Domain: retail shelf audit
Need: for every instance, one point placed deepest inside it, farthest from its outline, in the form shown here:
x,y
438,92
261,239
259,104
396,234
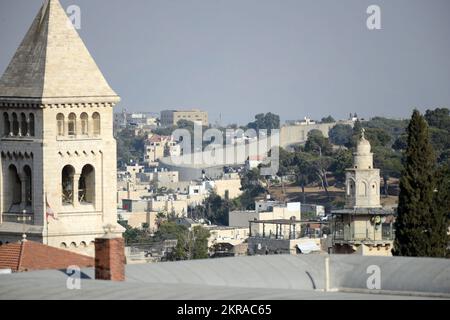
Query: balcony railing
x,y
347,233
18,218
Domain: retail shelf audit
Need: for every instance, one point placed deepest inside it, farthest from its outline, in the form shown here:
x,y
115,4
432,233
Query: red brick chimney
x,y
109,257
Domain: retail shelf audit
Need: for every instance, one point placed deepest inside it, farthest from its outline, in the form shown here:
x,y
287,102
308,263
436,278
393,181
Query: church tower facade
x,y
362,180
58,152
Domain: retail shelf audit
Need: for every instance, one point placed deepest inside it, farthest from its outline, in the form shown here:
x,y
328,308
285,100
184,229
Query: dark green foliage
x,y
439,118
252,188
421,229
169,231
192,244
378,137
439,128
133,235
129,147
401,143
442,208
318,143
390,164
215,209
266,121
341,135
342,160
393,127
328,119
164,131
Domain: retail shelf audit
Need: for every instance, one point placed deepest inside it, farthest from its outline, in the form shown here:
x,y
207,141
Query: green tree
x,y
304,171
252,187
439,118
192,244
378,137
266,121
341,134
357,129
200,242
317,143
341,161
215,209
390,164
393,127
286,166
130,148
133,235
328,119
420,227
401,143
169,231
442,206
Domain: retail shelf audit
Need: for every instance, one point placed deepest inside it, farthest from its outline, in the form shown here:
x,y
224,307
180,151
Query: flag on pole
x,y
49,211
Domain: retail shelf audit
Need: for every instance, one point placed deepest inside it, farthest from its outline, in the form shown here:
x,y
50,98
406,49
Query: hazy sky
x,y
237,58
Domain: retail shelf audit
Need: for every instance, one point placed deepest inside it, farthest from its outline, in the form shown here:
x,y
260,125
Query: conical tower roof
x,y
53,65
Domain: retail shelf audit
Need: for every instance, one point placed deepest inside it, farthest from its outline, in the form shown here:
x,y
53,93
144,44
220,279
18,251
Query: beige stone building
x,y
223,234
229,186
363,226
171,117
266,211
157,147
58,153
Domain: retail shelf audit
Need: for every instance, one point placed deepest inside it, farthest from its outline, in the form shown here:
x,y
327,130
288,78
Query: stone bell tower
x,y
363,181
58,153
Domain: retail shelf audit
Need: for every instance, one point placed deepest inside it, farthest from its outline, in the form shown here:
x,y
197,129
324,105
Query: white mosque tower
x,y
57,144
363,181
363,226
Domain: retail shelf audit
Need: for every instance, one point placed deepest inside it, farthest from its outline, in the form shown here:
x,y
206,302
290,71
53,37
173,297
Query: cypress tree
x,y
442,212
419,223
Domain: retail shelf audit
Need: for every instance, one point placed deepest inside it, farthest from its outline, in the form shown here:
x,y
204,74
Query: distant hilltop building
x,y
170,118
58,153
157,147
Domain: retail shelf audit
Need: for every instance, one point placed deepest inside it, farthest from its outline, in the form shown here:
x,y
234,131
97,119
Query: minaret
x,y
58,152
363,181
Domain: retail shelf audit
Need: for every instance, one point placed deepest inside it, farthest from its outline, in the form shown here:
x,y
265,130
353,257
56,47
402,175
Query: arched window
x,y
15,186
6,125
84,124
86,185
363,189
67,185
72,125
23,125
31,125
73,245
375,189
350,187
28,186
96,123
83,244
60,124
15,124
63,245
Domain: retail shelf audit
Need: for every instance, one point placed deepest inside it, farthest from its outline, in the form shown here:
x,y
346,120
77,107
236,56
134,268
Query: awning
x,y
308,246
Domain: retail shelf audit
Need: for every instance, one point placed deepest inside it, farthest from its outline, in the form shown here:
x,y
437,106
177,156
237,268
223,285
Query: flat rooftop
x,y
291,278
